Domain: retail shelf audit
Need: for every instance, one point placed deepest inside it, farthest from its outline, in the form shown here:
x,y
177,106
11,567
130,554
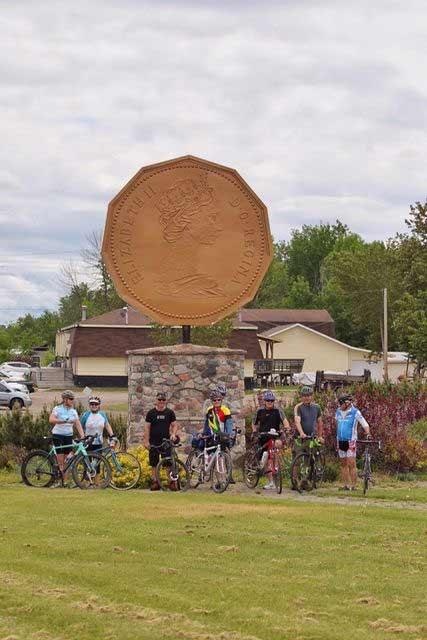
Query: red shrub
x,y
389,410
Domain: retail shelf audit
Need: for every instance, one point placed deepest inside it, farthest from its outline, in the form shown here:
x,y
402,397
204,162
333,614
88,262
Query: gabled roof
x,y
270,333
264,319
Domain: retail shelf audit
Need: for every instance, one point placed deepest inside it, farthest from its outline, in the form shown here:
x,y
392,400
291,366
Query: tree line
x,y
324,266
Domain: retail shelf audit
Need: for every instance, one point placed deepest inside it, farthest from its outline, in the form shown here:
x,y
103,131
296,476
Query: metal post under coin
x,y
186,333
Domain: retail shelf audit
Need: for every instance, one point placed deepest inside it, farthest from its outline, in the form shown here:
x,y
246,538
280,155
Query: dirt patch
x,y
109,397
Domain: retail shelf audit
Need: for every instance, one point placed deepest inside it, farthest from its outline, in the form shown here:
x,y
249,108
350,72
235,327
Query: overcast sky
x,y
320,105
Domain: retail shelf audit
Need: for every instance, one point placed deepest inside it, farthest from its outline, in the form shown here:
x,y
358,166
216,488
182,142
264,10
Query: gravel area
x,y
109,397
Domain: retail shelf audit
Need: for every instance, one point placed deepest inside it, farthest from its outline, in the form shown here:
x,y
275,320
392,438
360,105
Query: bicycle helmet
x,y
215,395
269,396
94,400
67,394
346,397
307,391
221,388
161,396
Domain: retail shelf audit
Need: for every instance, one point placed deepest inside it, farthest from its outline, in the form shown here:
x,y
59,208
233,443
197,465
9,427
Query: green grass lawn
x,y
140,565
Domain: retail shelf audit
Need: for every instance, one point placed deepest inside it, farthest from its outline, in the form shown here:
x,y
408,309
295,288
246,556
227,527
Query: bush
x,y
142,454
391,411
418,430
332,471
22,431
119,426
10,456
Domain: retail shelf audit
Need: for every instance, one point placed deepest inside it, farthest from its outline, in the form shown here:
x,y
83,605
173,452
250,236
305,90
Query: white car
x,y
17,380
12,398
17,368
11,382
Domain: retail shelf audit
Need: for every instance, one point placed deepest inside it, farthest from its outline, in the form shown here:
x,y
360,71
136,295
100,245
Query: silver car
x,y
12,398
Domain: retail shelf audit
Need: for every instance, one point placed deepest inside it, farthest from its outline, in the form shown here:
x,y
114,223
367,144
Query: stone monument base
x,y
187,373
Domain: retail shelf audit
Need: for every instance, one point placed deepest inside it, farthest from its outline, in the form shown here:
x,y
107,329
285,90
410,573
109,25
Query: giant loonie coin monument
x,y
187,242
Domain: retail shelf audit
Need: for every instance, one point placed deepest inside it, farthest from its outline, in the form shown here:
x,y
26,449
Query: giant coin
x,y
187,241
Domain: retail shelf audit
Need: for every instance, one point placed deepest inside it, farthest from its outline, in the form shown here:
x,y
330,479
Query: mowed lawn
x,y
137,565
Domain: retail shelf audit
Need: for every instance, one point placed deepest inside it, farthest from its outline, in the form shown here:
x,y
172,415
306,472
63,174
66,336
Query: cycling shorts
x,y
63,441
347,448
154,455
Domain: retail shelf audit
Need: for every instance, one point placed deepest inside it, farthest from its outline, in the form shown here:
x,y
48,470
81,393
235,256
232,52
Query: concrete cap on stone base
x,y
186,349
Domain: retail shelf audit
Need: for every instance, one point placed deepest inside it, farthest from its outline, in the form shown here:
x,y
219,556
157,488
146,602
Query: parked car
x,y
18,386
13,399
27,385
22,369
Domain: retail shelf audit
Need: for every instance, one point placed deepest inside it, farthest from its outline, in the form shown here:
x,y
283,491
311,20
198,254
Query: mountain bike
x,y
367,471
171,473
125,468
211,464
308,466
89,469
262,460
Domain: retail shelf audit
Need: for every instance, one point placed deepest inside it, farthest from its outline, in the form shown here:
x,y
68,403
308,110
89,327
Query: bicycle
x,y
171,472
125,468
89,469
256,463
367,471
211,464
308,467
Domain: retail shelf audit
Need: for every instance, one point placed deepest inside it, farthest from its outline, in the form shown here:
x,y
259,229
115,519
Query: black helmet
x,y
346,397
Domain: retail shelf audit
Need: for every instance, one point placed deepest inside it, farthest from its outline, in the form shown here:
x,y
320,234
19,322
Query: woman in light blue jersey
x,y
347,417
65,419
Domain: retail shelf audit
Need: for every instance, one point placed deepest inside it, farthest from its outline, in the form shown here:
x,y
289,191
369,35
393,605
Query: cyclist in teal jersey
x,y
94,422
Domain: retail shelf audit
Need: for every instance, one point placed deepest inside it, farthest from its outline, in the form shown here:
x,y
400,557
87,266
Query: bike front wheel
x,y
172,475
319,467
277,473
37,469
125,470
195,465
92,471
366,475
221,472
301,473
251,470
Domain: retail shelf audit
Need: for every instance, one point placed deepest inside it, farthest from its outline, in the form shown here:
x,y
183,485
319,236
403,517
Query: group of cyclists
x,y
269,423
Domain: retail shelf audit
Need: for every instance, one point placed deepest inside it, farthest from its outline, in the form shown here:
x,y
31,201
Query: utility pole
x,y
385,338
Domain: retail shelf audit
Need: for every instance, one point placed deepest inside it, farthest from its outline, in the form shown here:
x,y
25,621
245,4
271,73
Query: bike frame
x,y
210,456
78,447
367,470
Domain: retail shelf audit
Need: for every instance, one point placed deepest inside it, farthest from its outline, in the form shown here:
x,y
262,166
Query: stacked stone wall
x,y
187,374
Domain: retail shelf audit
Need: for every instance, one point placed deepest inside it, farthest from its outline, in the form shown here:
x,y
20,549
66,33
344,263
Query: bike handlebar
x,y
165,441
369,441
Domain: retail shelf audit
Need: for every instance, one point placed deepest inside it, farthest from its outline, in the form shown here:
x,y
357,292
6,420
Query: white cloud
x,y
320,106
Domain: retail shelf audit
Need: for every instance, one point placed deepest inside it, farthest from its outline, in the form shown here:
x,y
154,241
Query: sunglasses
x,y
94,404
161,399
